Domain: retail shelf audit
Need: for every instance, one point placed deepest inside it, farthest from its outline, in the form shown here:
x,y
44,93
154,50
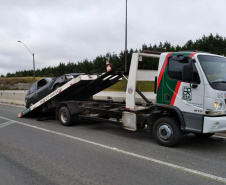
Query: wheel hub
x,y
64,117
165,132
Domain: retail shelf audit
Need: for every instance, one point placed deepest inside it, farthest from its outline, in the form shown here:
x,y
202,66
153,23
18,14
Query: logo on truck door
x,y
187,93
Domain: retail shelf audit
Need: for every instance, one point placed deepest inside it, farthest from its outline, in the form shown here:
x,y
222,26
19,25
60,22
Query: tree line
x,y
213,44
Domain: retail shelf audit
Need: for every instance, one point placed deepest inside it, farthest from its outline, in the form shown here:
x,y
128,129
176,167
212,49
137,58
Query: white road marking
x,y
223,137
196,172
7,123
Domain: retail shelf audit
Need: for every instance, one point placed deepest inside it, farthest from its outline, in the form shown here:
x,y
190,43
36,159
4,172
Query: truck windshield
x,y
214,68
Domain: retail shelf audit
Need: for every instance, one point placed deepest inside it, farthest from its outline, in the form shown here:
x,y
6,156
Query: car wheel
x,y
167,132
66,118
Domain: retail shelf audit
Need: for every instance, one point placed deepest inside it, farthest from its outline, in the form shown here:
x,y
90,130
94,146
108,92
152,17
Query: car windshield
x,y
214,68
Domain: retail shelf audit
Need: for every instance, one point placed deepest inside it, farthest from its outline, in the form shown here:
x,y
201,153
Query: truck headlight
x,y
218,109
218,105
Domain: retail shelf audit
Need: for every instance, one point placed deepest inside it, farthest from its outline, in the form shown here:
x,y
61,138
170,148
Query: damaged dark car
x,y
43,87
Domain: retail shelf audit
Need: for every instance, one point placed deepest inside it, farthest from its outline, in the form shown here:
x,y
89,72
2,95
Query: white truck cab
x,y
196,84
190,90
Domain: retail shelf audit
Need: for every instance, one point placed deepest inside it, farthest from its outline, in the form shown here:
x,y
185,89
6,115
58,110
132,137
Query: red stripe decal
x,y
162,69
175,93
191,55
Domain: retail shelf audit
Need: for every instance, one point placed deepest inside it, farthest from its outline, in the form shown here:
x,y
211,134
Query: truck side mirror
x,y
187,73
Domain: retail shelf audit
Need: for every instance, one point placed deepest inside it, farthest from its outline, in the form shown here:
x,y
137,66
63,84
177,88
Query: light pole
x,y
125,82
33,55
126,40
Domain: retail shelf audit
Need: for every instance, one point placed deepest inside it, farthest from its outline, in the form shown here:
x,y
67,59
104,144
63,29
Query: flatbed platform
x,y
80,88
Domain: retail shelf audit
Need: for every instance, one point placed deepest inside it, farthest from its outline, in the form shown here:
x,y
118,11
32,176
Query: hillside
x,y
16,83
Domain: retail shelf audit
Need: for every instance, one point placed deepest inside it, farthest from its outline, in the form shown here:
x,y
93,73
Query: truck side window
x,y
175,70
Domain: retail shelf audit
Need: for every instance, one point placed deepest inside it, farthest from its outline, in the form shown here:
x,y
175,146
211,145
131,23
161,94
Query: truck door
x,y
187,96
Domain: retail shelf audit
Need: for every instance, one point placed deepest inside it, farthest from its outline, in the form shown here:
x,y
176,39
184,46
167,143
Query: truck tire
x,y
66,118
167,132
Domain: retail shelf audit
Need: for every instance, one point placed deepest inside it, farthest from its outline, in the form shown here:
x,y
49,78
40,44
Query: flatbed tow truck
x,y
190,98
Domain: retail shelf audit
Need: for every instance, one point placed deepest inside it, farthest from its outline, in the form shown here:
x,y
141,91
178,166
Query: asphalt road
x,y
44,152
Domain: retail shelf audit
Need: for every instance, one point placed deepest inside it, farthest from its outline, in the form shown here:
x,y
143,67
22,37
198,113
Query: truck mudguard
x,y
176,110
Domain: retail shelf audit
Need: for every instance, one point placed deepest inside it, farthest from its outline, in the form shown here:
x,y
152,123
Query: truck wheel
x,y
66,118
201,135
167,132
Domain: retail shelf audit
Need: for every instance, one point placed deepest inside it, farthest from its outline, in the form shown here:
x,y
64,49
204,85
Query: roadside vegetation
x,y
16,83
143,86
24,83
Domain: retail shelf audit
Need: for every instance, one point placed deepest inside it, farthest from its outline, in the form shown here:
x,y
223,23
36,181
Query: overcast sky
x,y
73,30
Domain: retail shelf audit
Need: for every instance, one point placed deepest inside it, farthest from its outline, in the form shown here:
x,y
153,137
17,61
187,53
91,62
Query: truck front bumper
x,y
214,124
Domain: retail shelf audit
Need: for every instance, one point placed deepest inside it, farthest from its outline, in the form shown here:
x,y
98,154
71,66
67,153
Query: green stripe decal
x,y
168,88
